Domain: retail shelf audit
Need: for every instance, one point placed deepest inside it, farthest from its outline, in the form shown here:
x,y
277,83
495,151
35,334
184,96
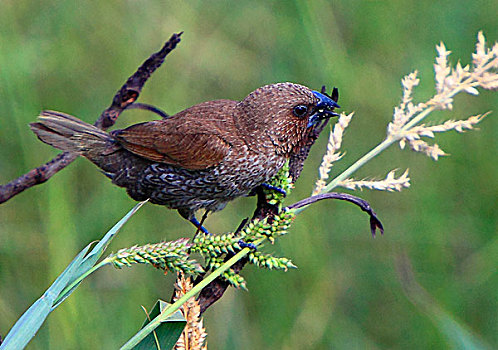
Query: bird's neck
x,y
251,128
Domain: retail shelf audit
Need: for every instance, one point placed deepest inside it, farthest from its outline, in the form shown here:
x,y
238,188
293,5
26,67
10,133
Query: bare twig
x,y
131,89
149,108
127,95
363,204
36,176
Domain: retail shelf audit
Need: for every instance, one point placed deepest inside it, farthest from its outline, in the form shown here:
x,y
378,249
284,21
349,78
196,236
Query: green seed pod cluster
x,y
235,279
256,229
283,181
270,262
213,246
214,262
215,250
171,256
262,229
281,223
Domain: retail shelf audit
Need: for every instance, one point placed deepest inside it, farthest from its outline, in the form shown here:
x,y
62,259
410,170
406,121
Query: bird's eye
x,y
300,111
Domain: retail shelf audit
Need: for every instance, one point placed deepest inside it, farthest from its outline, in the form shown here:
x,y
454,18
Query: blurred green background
x,y
347,293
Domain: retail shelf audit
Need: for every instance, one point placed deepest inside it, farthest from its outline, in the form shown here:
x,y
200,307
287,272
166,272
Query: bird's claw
x,y
243,245
199,226
274,188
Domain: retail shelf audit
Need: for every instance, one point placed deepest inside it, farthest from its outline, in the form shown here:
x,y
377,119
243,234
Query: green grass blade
x,y
92,257
99,249
30,322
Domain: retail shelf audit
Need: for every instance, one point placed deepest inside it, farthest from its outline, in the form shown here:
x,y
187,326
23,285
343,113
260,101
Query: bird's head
x,y
284,113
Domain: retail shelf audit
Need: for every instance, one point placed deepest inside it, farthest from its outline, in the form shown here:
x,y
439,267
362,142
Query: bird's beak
x,y
323,110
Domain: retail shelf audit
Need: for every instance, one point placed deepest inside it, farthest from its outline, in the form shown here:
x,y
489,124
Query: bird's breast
x,y
247,168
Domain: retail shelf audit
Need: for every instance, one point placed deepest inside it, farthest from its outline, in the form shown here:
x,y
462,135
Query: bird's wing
x,y
190,140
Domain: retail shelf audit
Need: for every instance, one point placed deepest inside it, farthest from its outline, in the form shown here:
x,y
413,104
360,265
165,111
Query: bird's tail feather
x,y
68,133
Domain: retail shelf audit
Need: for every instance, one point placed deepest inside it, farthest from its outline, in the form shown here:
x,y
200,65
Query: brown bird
x,y
202,157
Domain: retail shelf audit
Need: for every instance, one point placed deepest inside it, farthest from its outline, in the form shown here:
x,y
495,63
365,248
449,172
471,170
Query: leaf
x,y
92,257
30,322
167,333
98,250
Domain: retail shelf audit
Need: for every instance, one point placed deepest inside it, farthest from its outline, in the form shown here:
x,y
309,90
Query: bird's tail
x,y
68,133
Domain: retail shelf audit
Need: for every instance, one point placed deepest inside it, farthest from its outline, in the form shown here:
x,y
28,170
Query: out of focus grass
x,y
346,293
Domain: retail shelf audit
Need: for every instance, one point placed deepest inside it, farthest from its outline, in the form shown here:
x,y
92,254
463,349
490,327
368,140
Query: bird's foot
x,y
274,188
243,245
199,226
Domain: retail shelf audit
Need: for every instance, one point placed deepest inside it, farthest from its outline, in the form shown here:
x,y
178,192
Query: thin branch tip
x,y
375,223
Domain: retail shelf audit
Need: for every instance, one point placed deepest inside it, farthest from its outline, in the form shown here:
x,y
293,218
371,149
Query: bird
x,y
202,157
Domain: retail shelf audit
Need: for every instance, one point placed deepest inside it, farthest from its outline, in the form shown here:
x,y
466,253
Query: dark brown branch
x,y
127,95
363,204
133,86
36,176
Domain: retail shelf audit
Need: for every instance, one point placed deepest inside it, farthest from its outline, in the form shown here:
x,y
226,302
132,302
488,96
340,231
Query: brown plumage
x,y
202,157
